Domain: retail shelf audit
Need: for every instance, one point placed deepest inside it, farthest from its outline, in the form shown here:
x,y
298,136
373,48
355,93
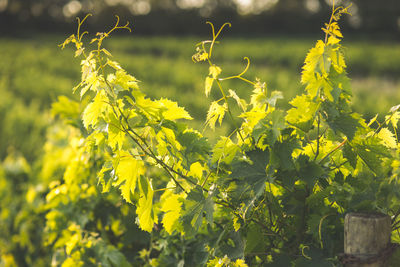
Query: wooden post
x,y
366,236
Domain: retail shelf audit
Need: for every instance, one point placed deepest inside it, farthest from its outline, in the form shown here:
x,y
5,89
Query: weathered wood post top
x,y
366,239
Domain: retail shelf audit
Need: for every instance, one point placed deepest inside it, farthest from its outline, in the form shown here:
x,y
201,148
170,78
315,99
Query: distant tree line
x,y
259,17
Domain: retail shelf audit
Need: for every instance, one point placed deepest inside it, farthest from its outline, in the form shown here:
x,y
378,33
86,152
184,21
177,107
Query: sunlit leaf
x,y
208,85
224,150
145,210
214,71
171,110
171,206
216,112
94,110
128,171
388,138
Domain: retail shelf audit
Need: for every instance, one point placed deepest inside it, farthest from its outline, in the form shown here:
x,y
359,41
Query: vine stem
x,y
229,109
215,36
150,154
333,150
330,21
148,151
383,124
318,136
166,168
265,227
320,228
239,76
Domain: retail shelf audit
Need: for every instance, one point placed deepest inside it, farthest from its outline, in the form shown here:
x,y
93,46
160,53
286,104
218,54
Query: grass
x,y
35,71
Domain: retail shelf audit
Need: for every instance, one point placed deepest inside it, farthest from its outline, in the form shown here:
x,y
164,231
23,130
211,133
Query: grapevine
x,y
273,192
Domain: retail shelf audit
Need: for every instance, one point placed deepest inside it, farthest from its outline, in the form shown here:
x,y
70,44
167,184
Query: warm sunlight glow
x,y
72,8
246,7
186,4
3,5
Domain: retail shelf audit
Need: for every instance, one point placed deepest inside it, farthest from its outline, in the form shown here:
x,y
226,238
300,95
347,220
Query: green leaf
x,y
171,110
193,210
115,65
196,206
123,81
394,118
372,120
250,177
340,84
116,137
345,123
128,170
216,112
214,71
371,152
308,171
104,176
196,147
252,118
208,85
275,96
272,131
233,246
241,102
350,155
94,110
254,241
281,155
303,112
316,62
92,82
65,108
116,257
388,138
252,169
224,151
144,210
363,201
196,170
171,205
259,96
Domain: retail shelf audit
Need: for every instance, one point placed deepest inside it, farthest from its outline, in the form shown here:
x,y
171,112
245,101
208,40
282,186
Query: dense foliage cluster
x,y
273,192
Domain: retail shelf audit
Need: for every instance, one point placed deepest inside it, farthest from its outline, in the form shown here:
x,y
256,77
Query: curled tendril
x,y
76,39
337,12
304,254
116,26
215,36
202,53
239,76
320,229
80,23
102,35
247,66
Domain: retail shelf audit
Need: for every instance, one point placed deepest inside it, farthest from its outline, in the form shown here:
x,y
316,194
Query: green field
x,y
33,72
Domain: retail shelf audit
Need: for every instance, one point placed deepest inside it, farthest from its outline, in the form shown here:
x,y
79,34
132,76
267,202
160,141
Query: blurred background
x,y
274,34
182,17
